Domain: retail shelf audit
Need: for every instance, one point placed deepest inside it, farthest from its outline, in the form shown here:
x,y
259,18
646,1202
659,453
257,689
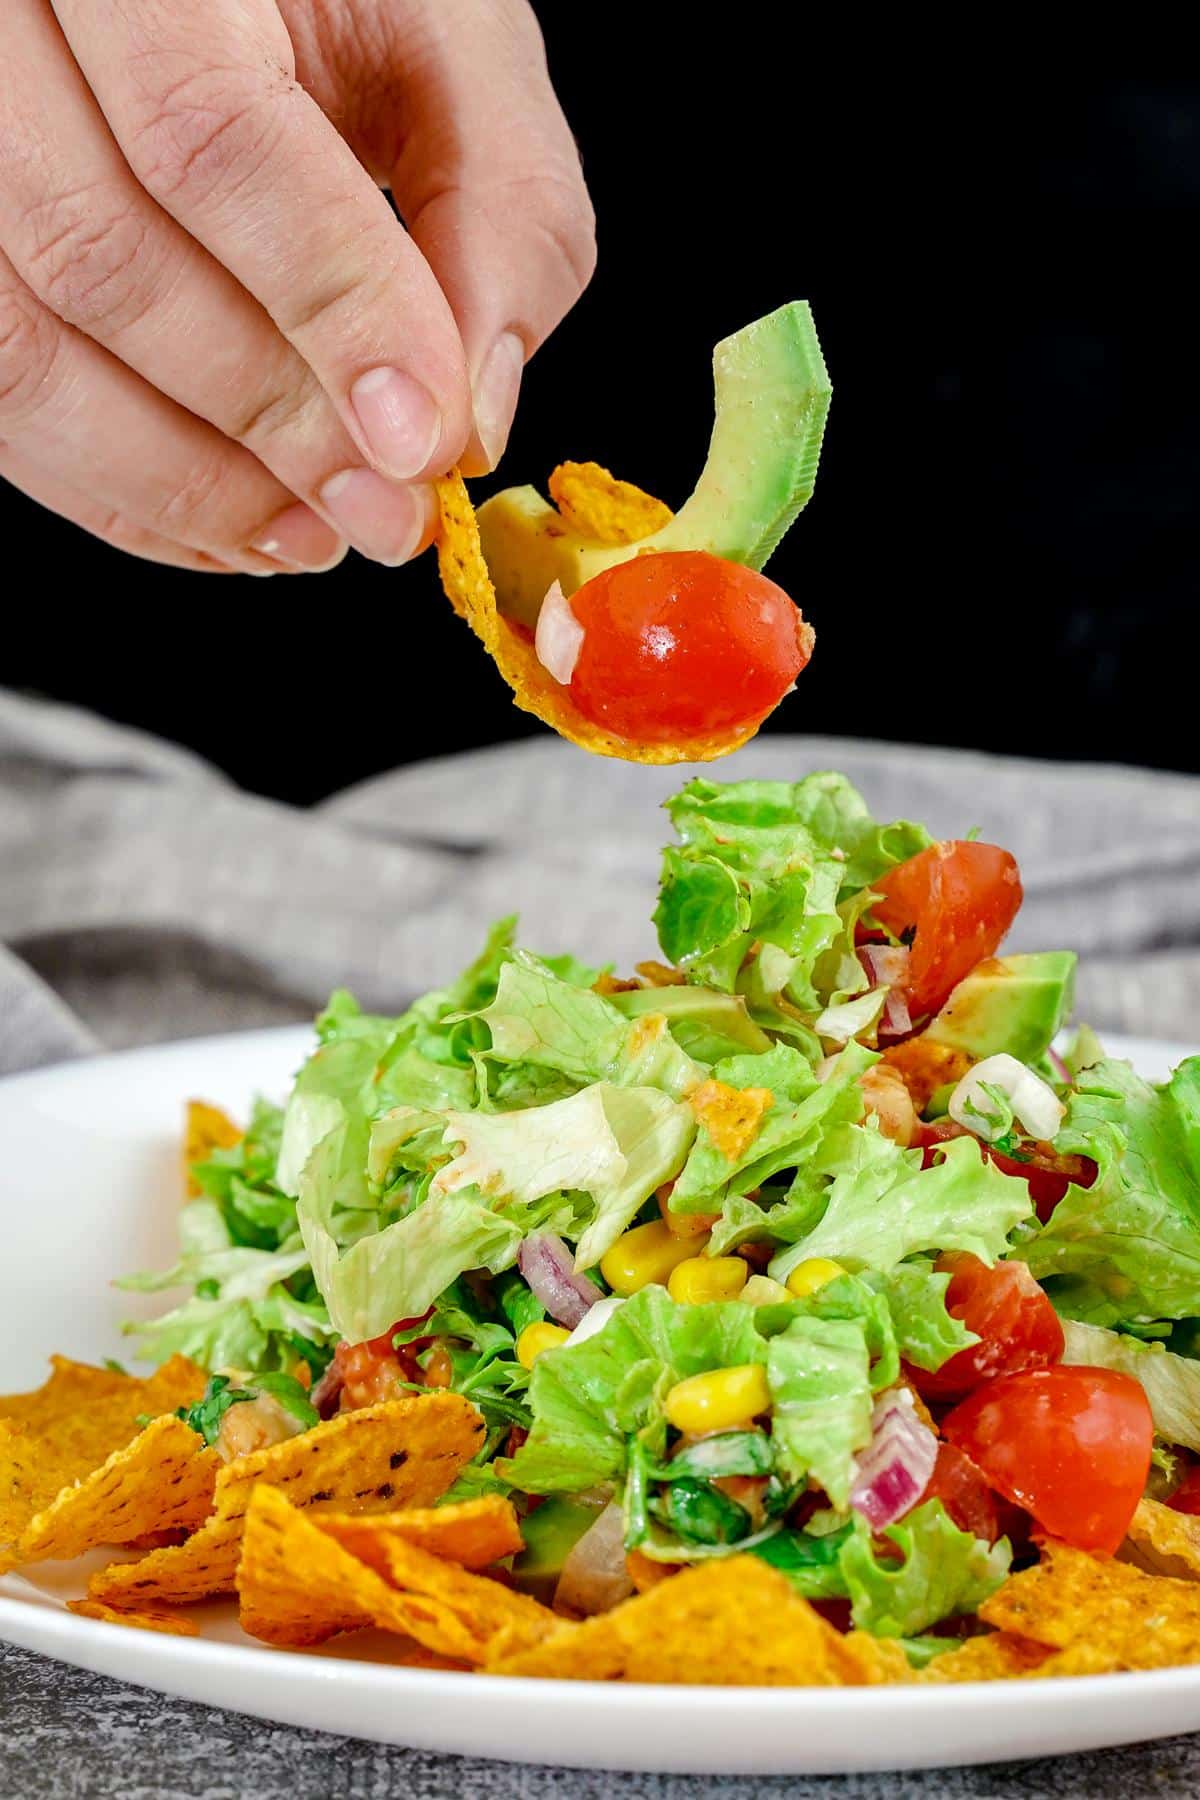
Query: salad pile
x,y
805,1241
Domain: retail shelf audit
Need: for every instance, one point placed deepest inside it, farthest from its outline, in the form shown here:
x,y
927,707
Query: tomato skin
x,y
366,1373
1016,1325
1186,1498
964,1493
680,644
1049,1172
1070,1445
959,900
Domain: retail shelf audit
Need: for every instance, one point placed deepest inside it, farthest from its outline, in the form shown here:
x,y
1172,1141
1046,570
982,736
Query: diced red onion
x,y
549,1268
895,1020
886,964
594,1576
1060,1068
327,1393
559,636
894,1469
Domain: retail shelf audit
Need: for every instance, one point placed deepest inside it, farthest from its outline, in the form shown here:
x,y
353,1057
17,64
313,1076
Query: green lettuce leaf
x,y
1172,1382
818,1371
587,1399
915,1293
1128,1247
882,1207
767,862
617,1145
944,1571
708,1025
539,1020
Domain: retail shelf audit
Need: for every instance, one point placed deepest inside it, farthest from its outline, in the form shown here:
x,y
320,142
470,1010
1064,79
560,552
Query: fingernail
x,y
399,419
299,538
495,394
384,521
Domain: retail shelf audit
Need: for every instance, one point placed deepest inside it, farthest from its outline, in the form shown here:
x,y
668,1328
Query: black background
x,y
1001,550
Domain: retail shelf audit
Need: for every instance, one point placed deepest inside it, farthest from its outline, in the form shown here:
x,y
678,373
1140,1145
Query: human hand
x,y
218,347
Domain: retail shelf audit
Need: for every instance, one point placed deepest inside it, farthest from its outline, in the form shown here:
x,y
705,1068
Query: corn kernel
x,y
814,1273
646,1254
760,1290
718,1400
703,1278
536,1338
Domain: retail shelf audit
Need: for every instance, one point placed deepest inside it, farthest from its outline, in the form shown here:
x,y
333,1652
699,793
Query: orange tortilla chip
x,y
731,1116
1120,1616
162,1481
596,505
999,1656
645,1573
872,1661
735,1622
58,1434
471,1533
1163,1542
152,1619
206,1128
659,975
469,588
400,1453
298,1585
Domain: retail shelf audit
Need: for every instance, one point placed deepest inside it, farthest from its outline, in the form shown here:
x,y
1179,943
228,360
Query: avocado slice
x,y
708,1025
551,1532
771,394
1012,1003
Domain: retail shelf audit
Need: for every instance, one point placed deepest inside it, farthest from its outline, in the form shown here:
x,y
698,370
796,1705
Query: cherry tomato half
x,y
964,1493
680,644
957,901
1070,1445
1015,1323
1049,1172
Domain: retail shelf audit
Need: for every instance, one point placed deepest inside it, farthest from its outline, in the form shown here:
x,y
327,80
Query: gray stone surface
x,y
67,1734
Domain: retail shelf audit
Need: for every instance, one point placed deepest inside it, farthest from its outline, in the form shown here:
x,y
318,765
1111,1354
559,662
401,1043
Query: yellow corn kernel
x,y
646,1254
815,1272
703,1278
718,1400
760,1290
536,1338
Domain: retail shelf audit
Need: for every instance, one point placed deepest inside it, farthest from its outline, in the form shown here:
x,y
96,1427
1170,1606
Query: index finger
x,y
207,110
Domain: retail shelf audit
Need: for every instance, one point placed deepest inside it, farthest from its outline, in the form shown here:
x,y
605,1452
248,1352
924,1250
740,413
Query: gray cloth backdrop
x,y
143,897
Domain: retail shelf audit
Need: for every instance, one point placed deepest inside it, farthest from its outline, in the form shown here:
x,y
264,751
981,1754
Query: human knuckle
x,y
277,409
28,344
207,132
195,505
561,209
89,259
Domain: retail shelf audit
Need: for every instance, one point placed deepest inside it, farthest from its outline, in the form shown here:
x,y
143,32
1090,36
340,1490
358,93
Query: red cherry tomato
x,y
1016,1325
681,644
1186,1498
1049,1172
1070,1445
957,901
964,1493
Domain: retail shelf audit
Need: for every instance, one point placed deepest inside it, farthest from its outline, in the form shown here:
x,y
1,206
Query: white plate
x,y
90,1165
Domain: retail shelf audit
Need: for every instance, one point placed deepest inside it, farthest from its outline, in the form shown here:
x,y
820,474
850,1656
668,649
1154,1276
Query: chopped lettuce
x,y
944,1571
588,1399
882,1207
1172,1383
1128,1247
818,1371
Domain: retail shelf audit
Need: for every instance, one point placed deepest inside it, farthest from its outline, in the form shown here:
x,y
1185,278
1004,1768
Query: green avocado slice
x,y
771,396
1008,1003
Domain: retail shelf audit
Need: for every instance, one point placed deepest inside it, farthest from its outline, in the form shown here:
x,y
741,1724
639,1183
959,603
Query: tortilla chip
x,y
730,1116
400,1453
58,1434
162,1481
998,1656
873,1661
1163,1542
735,1622
206,1129
469,588
471,1533
659,975
300,1585
645,1573
596,505
1127,1619
152,1619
